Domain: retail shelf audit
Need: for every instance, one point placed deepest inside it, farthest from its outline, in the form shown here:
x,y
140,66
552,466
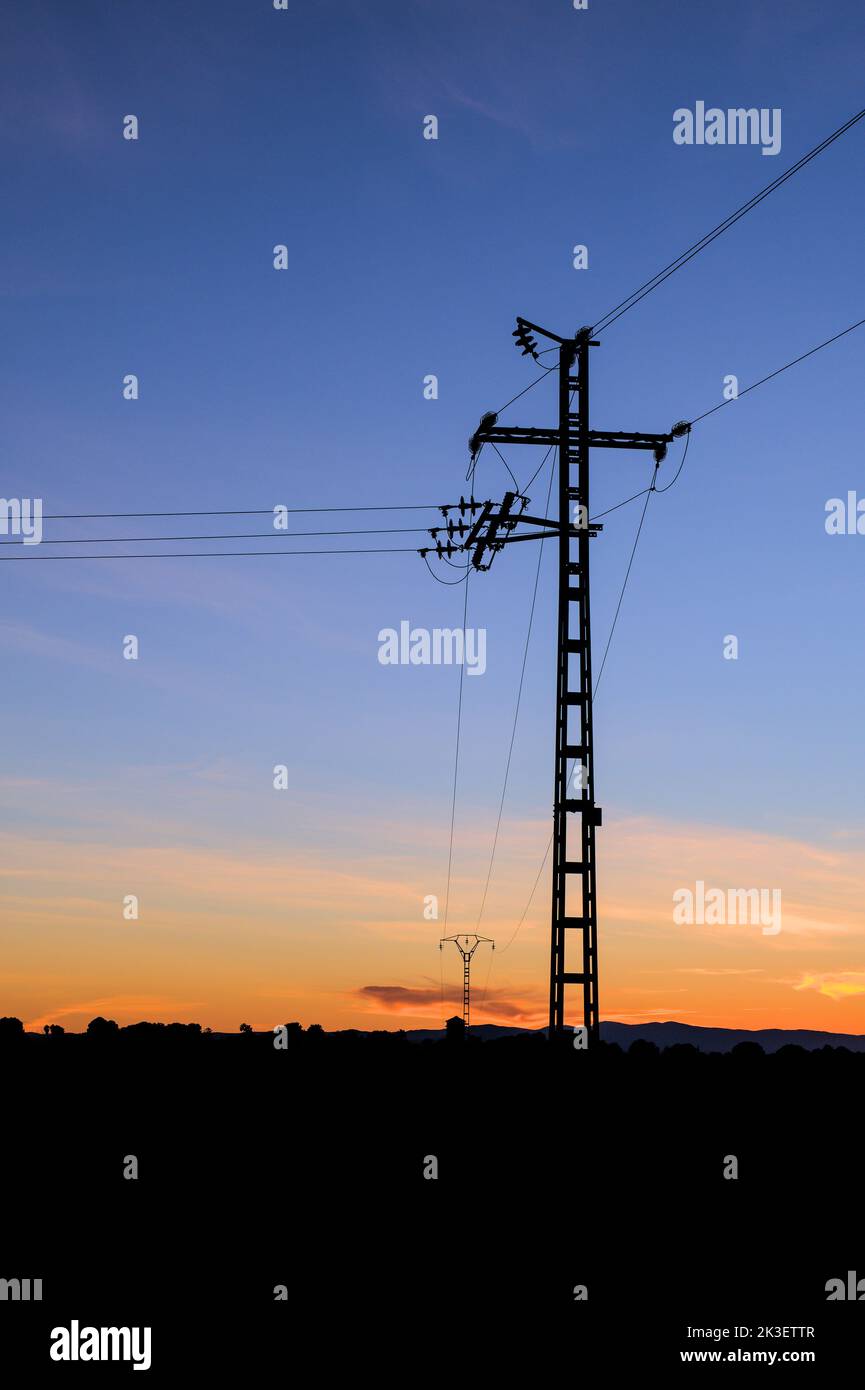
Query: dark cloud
x,y
395,996
402,998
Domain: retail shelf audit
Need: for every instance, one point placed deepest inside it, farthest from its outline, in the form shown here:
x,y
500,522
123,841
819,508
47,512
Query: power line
x,y
623,503
496,413
539,467
239,511
644,492
225,536
625,584
209,554
226,554
698,246
549,450
649,490
547,454
522,677
449,582
542,377
678,470
268,511
513,479
786,367
574,896
706,413
456,755
648,493
514,729
511,939
492,955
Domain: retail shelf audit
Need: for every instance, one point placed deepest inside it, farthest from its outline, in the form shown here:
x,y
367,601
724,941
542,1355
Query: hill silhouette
x,y
662,1034
670,1033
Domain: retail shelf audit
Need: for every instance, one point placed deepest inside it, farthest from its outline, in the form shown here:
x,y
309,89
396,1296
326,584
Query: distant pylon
x,y
467,945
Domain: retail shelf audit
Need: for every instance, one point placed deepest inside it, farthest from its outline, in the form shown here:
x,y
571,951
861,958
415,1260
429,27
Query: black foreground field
x,y
281,1210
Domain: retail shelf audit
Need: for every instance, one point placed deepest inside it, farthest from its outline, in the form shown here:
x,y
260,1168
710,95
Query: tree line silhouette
x,y
641,1054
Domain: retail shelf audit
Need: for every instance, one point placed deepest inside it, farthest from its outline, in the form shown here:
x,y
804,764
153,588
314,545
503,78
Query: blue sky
x,y
304,387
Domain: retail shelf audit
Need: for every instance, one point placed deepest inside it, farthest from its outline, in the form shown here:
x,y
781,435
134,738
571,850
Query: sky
x,y
304,387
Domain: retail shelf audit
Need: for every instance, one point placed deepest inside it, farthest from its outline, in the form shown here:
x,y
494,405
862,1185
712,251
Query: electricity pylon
x,y
575,813
467,950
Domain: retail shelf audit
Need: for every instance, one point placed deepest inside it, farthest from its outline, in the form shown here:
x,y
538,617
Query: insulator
x,y
486,421
525,339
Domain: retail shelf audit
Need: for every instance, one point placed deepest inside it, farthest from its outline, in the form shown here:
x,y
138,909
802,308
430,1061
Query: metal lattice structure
x,y
467,950
576,816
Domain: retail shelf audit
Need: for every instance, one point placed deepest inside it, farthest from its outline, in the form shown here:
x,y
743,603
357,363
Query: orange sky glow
x,y
252,935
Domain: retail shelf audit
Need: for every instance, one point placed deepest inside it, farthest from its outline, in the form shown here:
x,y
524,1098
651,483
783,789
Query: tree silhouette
x,y
246,1027
11,1029
102,1027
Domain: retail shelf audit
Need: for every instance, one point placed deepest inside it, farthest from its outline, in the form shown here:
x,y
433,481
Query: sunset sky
x,y
304,387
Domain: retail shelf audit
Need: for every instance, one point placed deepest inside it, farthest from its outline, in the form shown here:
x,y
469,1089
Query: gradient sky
x,y
304,387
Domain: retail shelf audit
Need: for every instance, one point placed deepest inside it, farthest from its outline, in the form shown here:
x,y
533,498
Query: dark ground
x,y
304,1167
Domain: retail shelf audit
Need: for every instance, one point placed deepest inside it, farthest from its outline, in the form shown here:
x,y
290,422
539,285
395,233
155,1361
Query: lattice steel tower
x,y
575,813
467,950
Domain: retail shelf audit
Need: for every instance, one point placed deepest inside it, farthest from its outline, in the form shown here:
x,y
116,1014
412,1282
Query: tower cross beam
x,y
598,439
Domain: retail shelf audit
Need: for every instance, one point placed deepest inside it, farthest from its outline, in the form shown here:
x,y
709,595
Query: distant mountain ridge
x,y
670,1033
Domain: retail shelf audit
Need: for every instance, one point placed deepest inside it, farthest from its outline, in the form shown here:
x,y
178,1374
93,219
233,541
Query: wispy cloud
x,y
702,970
843,985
